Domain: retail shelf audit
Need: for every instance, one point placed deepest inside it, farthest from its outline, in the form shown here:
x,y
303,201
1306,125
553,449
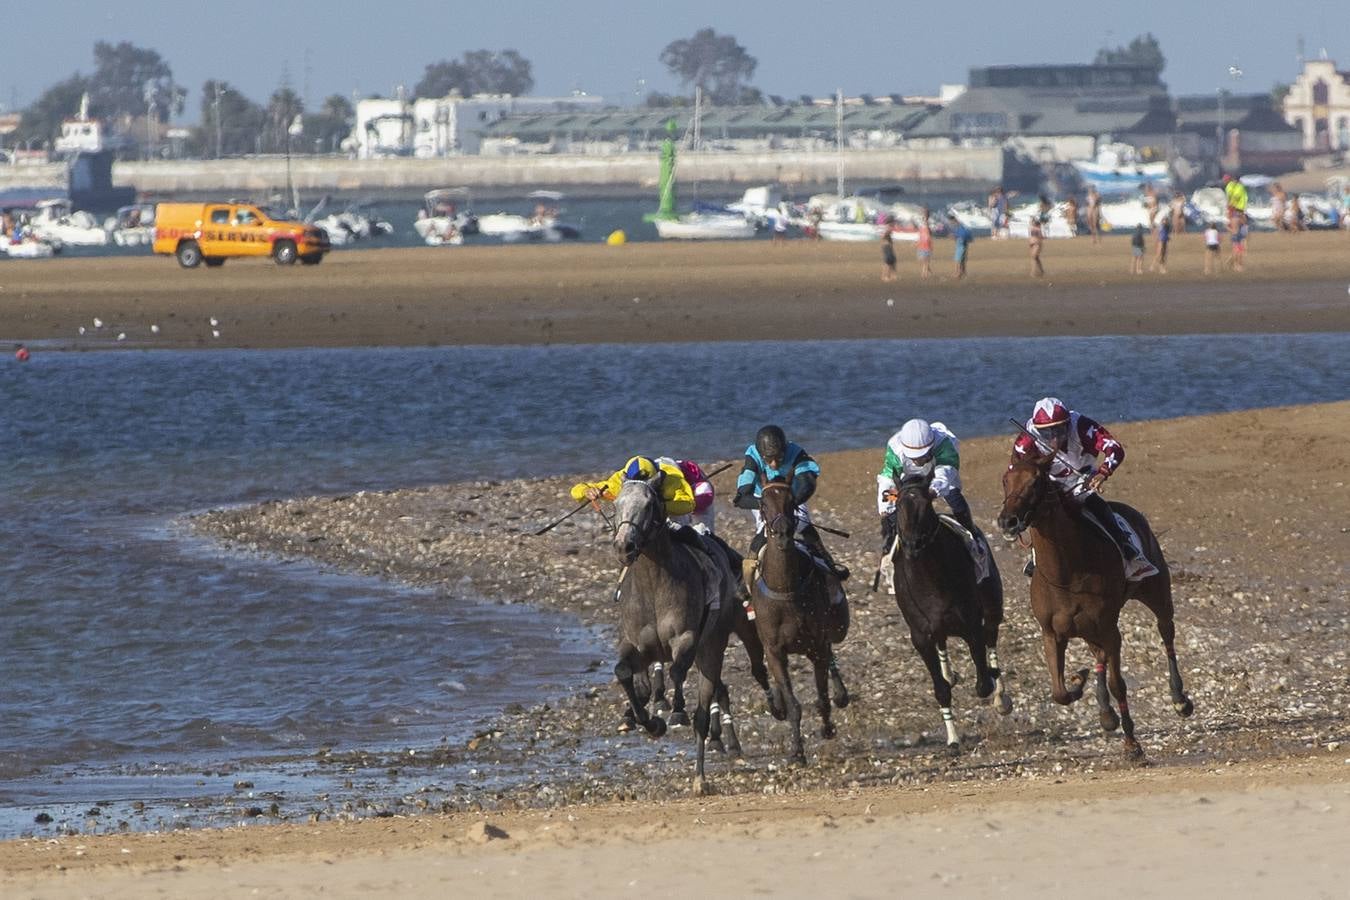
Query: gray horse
x,y
666,615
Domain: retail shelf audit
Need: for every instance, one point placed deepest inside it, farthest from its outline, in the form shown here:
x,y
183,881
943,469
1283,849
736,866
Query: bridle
x,y
916,544
1031,510
774,527
655,512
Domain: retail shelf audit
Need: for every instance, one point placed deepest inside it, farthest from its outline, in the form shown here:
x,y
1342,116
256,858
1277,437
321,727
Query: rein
x,y
644,530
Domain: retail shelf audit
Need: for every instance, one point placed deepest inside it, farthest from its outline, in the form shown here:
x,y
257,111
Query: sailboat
x,y
846,218
692,226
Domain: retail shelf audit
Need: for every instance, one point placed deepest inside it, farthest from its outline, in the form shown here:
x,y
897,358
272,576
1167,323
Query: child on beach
x,y
925,250
1035,238
1211,247
887,257
1137,250
962,236
1159,263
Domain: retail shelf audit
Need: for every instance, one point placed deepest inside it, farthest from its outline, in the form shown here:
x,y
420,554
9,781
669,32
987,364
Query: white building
x,y
1318,104
445,126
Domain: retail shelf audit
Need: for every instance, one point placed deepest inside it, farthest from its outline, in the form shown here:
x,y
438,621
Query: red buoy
x,y
21,354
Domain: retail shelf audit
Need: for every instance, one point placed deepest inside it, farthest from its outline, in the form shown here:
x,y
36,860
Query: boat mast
x,y
839,141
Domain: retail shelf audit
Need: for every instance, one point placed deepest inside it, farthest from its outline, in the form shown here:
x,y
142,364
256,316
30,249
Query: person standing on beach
x,y
1094,214
1159,263
887,256
1036,236
925,248
1151,205
1178,210
1278,207
1071,214
961,234
1137,250
1211,248
1236,192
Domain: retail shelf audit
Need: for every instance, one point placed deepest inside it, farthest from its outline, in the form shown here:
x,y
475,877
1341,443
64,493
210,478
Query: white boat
x,y
28,248
850,231
446,217
1210,205
1054,224
758,203
133,226
972,215
697,226
1124,215
350,225
545,224
1118,170
53,220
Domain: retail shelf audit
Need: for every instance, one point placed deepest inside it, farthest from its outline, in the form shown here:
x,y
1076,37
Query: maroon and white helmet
x,y
1049,413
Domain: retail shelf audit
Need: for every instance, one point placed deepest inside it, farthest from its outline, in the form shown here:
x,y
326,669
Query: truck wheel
x,y
213,262
284,253
311,259
189,254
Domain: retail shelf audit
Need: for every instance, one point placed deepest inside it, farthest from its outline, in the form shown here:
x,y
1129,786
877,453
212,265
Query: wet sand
x,y
582,293
1037,800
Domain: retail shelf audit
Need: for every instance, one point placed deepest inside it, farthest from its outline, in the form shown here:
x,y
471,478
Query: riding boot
x,y
687,535
812,537
750,563
888,528
1102,510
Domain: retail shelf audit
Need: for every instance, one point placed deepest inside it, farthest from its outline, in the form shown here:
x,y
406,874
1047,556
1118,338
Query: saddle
x,y
978,550
1142,567
837,594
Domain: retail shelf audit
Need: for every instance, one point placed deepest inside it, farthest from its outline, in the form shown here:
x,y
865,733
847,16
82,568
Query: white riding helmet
x,y
916,439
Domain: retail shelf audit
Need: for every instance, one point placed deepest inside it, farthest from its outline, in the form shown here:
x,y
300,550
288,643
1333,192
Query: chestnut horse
x,y
937,592
794,614
1079,587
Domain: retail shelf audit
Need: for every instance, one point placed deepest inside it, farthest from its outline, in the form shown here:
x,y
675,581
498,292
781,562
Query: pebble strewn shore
x,y
1262,608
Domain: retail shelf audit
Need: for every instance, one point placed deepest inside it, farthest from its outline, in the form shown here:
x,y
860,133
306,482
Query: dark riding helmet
x,y
771,443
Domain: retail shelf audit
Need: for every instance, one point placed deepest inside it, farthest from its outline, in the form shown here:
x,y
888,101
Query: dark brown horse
x,y
665,616
939,596
1079,587
794,614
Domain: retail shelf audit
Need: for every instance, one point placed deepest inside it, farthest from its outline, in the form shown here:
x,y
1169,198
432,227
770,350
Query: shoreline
x,y
1262,620
651,292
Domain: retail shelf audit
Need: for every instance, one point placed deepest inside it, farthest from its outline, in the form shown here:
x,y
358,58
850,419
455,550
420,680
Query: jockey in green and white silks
x,y
772,456
922,449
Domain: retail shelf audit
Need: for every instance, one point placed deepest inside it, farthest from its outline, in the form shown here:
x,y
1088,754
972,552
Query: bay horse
x,y
1078,589
665,616
794,614
938,593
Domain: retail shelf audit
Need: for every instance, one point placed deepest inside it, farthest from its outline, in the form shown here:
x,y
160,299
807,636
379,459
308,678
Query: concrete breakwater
x,y
956,169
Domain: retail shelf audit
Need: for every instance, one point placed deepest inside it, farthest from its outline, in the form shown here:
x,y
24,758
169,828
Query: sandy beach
x,y
1038,801
587,293
1259,564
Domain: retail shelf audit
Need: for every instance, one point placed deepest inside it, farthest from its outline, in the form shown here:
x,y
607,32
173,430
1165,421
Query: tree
x,y
41,121
1142,51
134,81
240,121
713,62
478,72
282,108
326,129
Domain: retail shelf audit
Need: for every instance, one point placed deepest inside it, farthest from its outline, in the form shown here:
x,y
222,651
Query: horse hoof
x,y
734,750
1133,752
954,749
679,719
840,700
1185,708
716,745
1110,721
798,759
828,731
656,726
985,689
1004,704
701,787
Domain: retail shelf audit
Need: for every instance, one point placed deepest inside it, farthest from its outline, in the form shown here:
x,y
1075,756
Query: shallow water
x,y
135,656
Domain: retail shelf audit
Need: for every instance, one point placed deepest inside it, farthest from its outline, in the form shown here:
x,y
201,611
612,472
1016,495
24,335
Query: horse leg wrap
x,y
945,662
949,721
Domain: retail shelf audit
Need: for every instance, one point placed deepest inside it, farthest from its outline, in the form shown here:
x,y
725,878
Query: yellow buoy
x,y
616,238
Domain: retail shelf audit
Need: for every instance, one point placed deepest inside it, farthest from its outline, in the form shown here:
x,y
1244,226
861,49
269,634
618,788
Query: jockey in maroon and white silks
x,y
1079,440
1075,441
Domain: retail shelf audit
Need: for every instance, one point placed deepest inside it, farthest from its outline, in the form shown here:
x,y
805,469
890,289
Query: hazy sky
x,y
606,46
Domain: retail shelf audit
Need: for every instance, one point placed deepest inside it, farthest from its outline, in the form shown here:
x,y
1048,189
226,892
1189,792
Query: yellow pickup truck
x,y
213,232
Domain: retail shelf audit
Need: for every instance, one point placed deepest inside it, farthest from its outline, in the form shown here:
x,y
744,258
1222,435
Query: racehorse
x,y
666,615
794,614
938,593
1078,589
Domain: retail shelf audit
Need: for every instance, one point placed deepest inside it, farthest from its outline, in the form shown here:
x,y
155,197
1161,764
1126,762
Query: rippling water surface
x,y
126,645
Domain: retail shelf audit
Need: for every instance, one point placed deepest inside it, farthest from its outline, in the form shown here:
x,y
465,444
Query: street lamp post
x,y
216,106
1234,73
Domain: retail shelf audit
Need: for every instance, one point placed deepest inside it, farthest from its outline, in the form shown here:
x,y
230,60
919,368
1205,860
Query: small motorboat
x,y
54,220
133,226
705,226
446,217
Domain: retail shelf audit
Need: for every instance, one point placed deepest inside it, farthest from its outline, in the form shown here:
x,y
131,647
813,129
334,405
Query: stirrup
x,y
1029,568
